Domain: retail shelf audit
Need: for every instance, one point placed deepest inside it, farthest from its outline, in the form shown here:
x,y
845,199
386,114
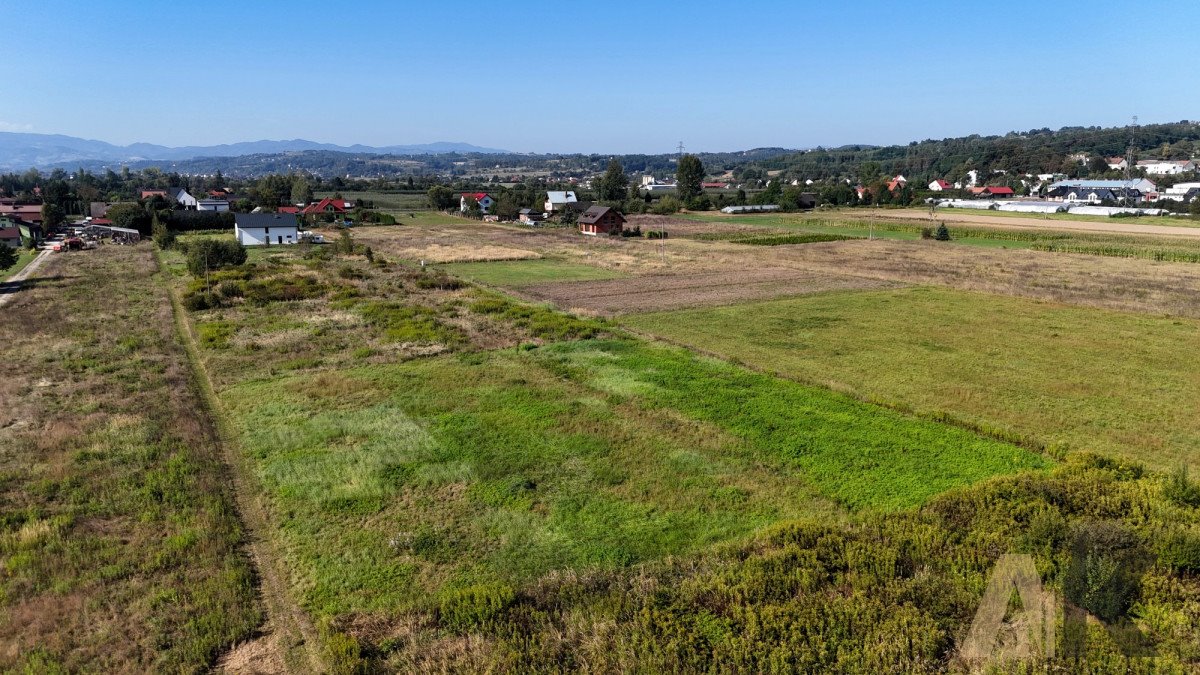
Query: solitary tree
x,y
53,215
943,233
8,257
688,177
614,182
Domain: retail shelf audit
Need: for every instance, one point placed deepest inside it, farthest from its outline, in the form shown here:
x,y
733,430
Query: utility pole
x,y
680,149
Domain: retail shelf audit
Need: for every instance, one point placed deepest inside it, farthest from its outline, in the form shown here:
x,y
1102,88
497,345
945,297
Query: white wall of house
x,y
188,201
266,236
212,205
484,204
1166,168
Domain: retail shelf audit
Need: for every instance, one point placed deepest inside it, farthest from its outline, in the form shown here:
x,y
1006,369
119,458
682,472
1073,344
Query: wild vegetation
x,y
120,548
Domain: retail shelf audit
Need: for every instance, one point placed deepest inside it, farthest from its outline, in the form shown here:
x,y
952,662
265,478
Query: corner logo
x,y
1101,583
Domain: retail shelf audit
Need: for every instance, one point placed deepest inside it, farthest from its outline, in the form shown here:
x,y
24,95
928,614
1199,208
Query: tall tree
x,y
302,192
8,257
688,177
614,182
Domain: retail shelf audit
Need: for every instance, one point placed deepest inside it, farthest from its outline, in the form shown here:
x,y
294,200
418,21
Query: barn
x,y
601,220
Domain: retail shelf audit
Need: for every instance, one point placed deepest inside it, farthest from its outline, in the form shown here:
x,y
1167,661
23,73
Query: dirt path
x,y
9,288
289,642
1012,222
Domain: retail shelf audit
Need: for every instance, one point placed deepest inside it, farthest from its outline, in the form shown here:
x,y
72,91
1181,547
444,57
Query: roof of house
x,y
595,213
561,197
477,196
289,209
945,185
261,220
10,233
1136,183
999,190
324,204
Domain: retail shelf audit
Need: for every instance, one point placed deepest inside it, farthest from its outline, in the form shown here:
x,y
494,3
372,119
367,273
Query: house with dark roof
x,y
601,220
266,229
10,236
182,197
531,217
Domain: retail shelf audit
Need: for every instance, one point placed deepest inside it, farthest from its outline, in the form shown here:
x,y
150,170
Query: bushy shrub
x,y
211,254
1182,490
474,607
943,233
199,301
282,289
666,206
1180,551
231,288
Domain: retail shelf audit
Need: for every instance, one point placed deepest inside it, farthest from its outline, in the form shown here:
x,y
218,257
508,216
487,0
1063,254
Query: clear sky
x,y
612,76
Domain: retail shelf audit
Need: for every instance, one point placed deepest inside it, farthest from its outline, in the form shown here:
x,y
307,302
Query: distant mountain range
x,y
19,151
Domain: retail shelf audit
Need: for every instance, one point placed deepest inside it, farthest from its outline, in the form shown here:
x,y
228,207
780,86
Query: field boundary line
x,y
293,629
939,416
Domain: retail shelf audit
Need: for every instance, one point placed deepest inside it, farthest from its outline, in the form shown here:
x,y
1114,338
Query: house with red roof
x,y
484,200
288,209
992,191
939,185
327,205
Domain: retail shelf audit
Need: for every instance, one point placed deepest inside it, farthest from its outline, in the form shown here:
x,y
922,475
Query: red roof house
x,y
327,205
288,209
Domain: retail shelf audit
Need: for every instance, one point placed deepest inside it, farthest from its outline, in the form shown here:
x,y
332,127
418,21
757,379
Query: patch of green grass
x,y
855,453
24,257
409,323
1073,377
517,273
541,322
403,483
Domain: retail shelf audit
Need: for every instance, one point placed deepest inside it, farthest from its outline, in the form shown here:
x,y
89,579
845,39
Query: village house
x,y
266,229
601,220
1094,191
151,194
1155,167
326,205
1181,192
992,191
30,213
218,205
557,201
1116,163
940,185
484,200
182,197
10,234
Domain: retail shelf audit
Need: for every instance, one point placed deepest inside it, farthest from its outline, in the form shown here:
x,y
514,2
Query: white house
x,y
1116,163
1179,192
557,201
940,185
484,200
1166,168
212,205
181,195
266,229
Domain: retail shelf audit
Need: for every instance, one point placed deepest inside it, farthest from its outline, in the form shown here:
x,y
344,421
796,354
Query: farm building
x,y
1032,207
266,229
1134,189
992,191
558,200
1166,167
1112,211
531,217
967,204
484,200
601,220
751,208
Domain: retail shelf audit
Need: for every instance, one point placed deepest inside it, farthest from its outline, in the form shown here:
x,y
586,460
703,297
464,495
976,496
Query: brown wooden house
x,y
601,220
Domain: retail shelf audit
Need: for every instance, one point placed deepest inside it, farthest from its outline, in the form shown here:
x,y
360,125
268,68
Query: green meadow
x,y
1059,376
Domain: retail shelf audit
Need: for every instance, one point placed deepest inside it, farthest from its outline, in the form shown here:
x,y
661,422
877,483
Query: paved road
x,y
8,289
1114,226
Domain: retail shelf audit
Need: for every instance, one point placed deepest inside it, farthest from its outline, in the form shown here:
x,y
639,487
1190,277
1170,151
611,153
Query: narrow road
x,y
9,288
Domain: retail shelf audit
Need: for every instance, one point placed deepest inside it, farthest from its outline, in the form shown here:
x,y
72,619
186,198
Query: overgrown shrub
x,y
1180,551
1182,490
282,289
474,607
199,301
541,322
211,254
943,233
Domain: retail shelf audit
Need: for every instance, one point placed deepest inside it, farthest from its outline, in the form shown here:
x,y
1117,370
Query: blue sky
x,y
611,76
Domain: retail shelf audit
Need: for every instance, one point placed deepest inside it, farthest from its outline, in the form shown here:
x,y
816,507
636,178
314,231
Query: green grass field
x,y
1063,376
517,273
24,257
396,203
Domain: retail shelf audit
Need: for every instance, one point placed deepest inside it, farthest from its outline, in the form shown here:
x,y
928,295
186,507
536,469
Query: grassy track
x,y
1081,378
517,273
